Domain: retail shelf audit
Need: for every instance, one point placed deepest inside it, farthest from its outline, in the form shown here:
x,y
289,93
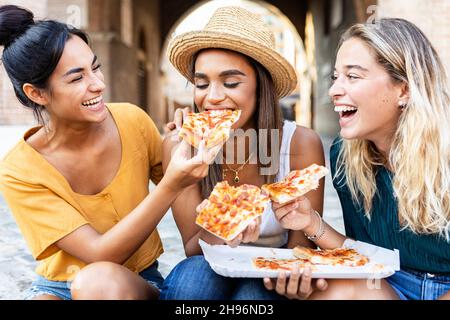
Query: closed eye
x,y
201,86
96,68
352,76
231,85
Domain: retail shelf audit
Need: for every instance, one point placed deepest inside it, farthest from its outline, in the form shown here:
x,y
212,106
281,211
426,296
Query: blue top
x,y
427,253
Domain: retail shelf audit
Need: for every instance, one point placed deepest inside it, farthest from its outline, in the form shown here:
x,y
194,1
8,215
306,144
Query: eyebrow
x,y
354,66
76,70
226,73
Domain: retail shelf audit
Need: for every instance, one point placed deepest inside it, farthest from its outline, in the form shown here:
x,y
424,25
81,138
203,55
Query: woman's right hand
x,y
184,169
295,215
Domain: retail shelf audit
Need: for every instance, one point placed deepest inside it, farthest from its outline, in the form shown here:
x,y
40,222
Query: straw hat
x,y
236,29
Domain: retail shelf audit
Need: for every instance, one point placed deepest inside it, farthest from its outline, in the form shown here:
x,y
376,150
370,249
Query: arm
x,y
184,209
298,215
122,240
306,149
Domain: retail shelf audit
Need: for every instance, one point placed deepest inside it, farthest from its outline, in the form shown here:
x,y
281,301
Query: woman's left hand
x,y
299,286
250,234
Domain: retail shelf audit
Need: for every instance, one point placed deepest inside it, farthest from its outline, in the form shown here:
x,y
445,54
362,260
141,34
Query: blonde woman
x,y
391,169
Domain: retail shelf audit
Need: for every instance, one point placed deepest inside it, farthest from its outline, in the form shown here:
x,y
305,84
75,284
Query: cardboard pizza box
x,y
237,262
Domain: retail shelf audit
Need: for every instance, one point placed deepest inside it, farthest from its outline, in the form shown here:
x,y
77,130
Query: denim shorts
x,y
416,285
61,289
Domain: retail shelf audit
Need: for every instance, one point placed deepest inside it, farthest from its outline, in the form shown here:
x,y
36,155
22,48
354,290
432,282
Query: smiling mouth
x,y
92,103
345,111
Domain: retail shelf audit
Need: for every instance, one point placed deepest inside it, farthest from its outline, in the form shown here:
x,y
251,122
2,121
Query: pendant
x,y
236,178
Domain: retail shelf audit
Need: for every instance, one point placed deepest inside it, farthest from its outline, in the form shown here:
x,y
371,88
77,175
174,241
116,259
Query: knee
x,y
102,280
341,289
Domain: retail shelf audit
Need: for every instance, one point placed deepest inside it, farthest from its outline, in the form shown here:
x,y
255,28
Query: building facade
x,y
128,36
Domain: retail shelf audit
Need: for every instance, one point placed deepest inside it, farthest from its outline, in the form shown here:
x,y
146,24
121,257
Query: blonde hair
x,y
420,152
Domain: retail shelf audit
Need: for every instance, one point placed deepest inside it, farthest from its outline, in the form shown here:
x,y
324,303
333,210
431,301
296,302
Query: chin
x,y
348,134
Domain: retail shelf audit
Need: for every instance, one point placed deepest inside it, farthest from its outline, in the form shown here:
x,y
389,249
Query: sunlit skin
x,y
360,81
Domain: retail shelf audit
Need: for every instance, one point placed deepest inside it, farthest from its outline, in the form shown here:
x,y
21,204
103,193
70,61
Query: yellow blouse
x,y
46,208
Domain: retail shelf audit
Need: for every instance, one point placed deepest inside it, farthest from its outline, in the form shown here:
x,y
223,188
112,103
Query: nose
x,y
215,94
97,84
336,89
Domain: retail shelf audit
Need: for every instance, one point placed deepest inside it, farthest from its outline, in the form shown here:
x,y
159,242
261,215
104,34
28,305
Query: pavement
x,y
17,265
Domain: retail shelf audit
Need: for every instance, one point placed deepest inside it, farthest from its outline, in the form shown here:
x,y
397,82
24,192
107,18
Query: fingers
x,y
179,116
251,233
304,290
202,205
292,287
169,127
269,284
322,284
183,150
280,286
205,155
236,241
282,211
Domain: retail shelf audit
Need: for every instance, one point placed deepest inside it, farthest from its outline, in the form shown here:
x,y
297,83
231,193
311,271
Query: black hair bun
x,y
14,21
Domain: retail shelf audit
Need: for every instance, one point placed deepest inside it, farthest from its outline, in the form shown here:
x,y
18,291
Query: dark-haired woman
x,y
78,184
233,65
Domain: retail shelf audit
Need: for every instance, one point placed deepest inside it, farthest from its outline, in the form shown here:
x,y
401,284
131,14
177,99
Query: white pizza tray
x,y
237,262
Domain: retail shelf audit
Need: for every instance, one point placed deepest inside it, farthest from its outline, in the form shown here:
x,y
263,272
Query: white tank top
x,y
272,233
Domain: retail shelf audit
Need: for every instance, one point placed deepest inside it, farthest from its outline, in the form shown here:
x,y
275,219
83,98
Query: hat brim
x,y
182,49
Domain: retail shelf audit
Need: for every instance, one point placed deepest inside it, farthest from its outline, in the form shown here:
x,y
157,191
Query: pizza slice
x,y
229,210
264,263
213,126
295,184
339,256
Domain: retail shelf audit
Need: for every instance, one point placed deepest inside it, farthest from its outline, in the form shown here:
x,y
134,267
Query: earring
x,y
402,104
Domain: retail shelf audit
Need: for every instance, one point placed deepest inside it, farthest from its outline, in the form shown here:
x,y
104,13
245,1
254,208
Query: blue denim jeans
x,y
61,289
415,285
193,279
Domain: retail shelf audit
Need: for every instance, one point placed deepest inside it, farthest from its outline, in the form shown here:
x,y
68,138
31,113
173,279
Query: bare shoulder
x,y
306,148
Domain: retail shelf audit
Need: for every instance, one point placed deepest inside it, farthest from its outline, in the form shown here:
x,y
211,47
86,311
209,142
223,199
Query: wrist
x,y
313,224
316,230
166,186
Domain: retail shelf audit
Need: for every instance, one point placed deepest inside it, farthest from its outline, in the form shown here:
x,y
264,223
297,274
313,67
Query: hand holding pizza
x,y
250,234
295,215
299,286
174,126
184,170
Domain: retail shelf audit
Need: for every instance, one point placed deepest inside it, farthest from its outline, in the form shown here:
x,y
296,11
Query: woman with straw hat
x,y
233,65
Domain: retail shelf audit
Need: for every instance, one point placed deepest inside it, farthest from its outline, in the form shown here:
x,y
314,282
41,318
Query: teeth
x,y
92,101
344,108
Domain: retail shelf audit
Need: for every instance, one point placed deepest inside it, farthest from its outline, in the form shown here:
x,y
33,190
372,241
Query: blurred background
x,y
130,38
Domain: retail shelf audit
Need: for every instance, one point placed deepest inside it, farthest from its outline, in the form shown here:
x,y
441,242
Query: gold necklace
x,y
236,178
